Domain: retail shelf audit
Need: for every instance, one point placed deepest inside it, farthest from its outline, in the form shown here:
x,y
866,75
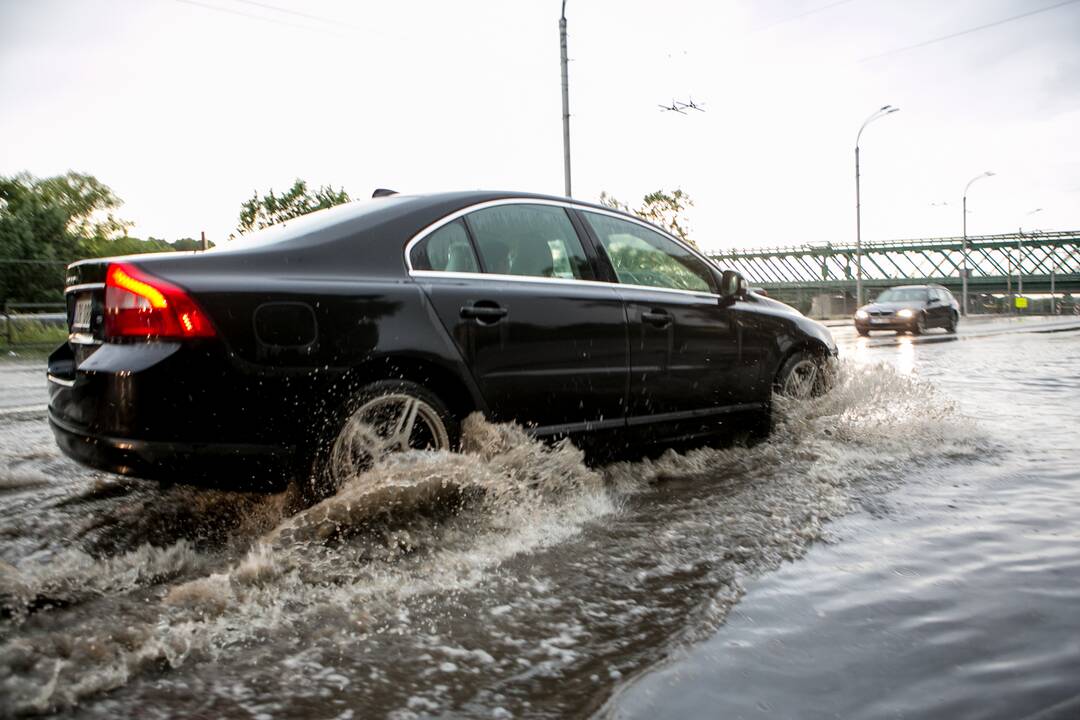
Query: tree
x,y
261,212
660,208
46,223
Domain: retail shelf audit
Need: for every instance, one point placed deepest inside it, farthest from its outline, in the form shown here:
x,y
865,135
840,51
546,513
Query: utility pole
x,y
1008,279
565,102
1020,264
1053,297
204,245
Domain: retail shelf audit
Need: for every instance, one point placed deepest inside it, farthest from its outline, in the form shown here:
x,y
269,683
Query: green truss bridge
x,y
996,265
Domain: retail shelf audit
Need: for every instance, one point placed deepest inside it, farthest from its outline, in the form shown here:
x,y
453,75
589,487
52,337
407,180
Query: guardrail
x,y
33,325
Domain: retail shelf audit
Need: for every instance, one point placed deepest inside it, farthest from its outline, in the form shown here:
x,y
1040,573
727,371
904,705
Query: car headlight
x,y
861,314
905,313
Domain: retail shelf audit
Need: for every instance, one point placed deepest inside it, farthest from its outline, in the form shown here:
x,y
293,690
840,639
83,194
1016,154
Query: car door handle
x,y
659,318
487,313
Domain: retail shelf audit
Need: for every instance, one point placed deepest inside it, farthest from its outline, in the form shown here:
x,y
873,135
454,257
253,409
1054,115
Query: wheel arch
x,y
445,382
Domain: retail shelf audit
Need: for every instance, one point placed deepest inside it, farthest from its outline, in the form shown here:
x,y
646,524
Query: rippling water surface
x,y
513,580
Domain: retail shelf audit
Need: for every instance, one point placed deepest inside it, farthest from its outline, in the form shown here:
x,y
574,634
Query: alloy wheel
x,y
385,424
801,381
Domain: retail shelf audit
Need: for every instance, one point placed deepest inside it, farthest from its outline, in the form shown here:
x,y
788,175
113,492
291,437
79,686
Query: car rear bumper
x,y
226,465
184,414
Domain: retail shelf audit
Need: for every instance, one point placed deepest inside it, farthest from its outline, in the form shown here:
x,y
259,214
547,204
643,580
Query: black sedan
x,y
308,348
910,308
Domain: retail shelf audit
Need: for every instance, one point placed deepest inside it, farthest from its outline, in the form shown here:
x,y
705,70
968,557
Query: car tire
x,y
919,328
954,320
863,332
381,418
801,376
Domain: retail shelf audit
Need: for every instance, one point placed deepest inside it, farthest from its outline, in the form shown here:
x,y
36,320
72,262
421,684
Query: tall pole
x,y
1020,256
858,232
1053,297
1008,280
964,251
964,267
1020,264
565,102
880,112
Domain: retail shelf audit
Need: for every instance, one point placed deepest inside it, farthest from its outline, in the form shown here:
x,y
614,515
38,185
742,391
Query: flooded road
x,y
905,546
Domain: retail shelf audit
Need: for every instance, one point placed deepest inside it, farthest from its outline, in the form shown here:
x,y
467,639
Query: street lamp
x,y
565,102
964,271
880,112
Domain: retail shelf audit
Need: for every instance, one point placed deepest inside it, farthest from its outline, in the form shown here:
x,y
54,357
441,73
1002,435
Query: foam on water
x,y
424,524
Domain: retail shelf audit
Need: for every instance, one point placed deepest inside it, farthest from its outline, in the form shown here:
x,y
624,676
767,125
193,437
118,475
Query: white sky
x,y
185,110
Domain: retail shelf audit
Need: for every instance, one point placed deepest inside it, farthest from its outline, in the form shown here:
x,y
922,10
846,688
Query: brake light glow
x,y
139,305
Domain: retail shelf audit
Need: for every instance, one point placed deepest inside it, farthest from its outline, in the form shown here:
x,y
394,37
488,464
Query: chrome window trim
x,y
528,278
554,281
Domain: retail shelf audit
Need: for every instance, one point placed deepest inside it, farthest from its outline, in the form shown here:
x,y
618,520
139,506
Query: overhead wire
x,y
801,15
263,18
968,31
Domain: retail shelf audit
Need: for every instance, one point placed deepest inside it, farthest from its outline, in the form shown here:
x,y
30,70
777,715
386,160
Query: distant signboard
x,y
1021,302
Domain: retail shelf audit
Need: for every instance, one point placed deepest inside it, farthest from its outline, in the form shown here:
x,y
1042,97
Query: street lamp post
x,y
881,112
565,102
964,253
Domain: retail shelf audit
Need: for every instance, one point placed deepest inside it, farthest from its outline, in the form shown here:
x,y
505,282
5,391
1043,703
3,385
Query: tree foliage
x,y
661,208
47,222
270,209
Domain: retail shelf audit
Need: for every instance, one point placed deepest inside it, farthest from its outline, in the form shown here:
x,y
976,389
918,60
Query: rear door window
x,y
447,250
643,257
531,240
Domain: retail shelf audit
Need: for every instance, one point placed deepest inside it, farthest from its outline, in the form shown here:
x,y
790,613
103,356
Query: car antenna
x,y
383,192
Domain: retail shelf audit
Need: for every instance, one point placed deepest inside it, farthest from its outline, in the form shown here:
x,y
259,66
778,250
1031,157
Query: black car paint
x,y
302,324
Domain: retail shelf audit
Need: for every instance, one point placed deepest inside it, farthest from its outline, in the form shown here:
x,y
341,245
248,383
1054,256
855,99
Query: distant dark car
x,y
307,348
910,308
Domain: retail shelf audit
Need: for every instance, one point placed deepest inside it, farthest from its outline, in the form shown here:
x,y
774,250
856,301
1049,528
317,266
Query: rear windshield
x,y
903,295
310,224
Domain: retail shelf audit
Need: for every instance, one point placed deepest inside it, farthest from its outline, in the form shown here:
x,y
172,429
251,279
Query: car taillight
x,y
138,304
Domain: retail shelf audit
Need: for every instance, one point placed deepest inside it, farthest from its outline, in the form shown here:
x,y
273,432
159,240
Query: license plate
x,y
878,321
83,310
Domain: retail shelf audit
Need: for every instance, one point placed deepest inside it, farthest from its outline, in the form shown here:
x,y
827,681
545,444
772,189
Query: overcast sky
x,y
185,107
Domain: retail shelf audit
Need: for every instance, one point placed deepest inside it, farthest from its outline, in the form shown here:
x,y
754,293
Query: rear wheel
x,y
383,418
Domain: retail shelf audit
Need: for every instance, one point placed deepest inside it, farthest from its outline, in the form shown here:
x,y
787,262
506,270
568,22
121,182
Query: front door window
x,y
643,257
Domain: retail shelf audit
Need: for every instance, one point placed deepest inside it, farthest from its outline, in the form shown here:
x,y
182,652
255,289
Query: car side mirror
x,y
732,285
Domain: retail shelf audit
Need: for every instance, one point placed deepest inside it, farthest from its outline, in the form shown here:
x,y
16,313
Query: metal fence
x,y
33,325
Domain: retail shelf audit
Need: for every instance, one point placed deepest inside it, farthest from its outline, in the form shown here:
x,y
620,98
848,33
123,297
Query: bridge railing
x,y
998,266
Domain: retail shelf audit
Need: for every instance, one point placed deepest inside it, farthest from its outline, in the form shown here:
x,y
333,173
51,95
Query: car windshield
x,y
903,295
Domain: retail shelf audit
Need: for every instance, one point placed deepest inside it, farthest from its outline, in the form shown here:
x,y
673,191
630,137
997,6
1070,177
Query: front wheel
x,y
954,319
802,376
919,328
384,417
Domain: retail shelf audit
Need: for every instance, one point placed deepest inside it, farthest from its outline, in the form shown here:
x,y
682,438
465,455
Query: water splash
x,y
419,525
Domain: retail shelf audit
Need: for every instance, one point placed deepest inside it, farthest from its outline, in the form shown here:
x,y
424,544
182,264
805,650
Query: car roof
x,y
471,197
